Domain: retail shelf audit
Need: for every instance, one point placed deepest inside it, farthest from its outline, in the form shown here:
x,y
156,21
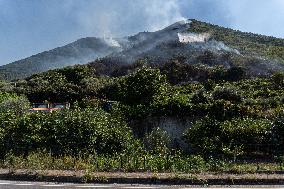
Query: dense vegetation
x,y
235,117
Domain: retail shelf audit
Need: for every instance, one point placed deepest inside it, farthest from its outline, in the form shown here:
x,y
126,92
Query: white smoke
x,y
162,13
125,17
112,42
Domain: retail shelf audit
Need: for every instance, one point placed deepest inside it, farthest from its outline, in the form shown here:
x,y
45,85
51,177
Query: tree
x,y
278,79
235,73
13,103
138,88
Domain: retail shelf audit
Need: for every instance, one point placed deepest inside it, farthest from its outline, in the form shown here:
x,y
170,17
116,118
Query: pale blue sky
x,y
28,27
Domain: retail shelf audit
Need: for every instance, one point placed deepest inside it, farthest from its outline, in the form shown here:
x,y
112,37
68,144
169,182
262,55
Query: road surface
x,y
40,185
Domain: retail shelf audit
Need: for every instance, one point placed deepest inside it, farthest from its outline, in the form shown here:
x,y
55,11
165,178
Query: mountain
x,y
78,52
192,41
200,43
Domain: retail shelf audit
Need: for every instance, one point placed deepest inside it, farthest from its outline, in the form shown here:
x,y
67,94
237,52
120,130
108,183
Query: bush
x,y
199,97
13,103
173,104
250,134
278,79
223,110
137,88
235,74
157,141
241,135
222,93
71,132
203,136
277,136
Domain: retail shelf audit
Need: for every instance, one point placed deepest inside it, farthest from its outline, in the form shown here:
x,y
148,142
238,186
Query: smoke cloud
x,y
124,17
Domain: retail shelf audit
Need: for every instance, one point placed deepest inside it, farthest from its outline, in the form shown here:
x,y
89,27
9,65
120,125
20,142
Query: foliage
x,y
138,88
226,94
13,103
157,141
278,79
277,133
238,115
71,132
69,84
211,137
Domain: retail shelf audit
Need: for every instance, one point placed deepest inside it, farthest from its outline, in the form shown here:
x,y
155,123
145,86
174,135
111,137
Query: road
x,y
41,185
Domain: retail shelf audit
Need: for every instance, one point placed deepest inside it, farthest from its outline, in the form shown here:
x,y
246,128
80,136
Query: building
x,y
48,107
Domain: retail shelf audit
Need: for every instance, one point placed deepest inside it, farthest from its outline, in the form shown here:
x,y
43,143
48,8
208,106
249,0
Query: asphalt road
x,y
41,185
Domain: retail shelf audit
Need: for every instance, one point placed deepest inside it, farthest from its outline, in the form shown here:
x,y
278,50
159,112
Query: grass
x,y
169,164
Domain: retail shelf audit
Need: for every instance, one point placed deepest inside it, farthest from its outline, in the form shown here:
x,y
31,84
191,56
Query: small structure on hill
x,y
48,107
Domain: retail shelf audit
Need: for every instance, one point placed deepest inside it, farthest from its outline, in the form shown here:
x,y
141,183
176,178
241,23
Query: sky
x,y
28,27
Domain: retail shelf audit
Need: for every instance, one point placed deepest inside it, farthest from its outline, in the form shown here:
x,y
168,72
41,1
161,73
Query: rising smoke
x,y
124,17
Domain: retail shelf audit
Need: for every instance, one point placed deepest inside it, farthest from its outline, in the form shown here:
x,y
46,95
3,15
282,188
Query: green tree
x,y
13,103
278,79
137,88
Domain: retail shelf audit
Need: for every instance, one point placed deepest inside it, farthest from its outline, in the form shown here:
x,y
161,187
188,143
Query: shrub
x,y
237,136
278,79
203,136
229,94
235,73
250,134
15,104
277,135
223,110
72,132
138,88
173,104
157,141
199,97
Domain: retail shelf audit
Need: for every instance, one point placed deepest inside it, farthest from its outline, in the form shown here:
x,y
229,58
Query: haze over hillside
x,y
196,42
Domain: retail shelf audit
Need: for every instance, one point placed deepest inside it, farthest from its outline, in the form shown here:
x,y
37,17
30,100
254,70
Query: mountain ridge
x,y
80,51
197,42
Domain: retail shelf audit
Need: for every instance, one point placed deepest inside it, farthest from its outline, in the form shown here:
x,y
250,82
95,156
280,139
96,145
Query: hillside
x,y
79,52
246,43
200,43
197,43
